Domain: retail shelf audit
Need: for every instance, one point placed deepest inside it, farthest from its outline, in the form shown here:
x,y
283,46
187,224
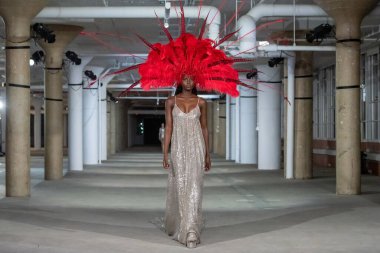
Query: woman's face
x,y
188,83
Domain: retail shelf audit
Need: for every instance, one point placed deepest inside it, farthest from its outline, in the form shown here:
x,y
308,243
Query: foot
x,y
191,241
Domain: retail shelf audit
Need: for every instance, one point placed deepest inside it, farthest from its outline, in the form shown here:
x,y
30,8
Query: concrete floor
x,y
110,208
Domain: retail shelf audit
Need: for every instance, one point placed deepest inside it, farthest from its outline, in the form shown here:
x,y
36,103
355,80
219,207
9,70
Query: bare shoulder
x,y
202,102
169,101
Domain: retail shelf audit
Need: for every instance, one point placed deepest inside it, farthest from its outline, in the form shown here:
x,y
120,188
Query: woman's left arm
x,y
203,120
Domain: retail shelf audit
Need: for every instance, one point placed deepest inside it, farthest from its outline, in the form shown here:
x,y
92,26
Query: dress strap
x,y
175,100
198,102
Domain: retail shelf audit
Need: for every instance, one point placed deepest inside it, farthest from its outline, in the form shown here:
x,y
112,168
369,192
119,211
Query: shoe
x,y
191,241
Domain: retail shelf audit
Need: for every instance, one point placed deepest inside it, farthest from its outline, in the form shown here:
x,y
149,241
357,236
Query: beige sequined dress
x,y
185,180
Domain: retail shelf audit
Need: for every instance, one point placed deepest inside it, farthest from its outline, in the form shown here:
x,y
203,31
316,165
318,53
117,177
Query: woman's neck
x,y
185,93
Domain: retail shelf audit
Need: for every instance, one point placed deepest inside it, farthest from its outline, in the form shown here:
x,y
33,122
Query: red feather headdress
x,y
198,57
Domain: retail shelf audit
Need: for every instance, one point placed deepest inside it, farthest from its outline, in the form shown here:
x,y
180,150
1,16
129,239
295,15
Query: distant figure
x,y
161,136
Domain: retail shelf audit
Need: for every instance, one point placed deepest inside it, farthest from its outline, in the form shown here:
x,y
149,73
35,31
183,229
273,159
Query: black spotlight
x,y
38,56
112,98
319,33
73,57
275,61
90,74
43,32
252,74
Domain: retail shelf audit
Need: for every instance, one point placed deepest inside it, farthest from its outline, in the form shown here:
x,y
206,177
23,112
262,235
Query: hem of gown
x,y
159,222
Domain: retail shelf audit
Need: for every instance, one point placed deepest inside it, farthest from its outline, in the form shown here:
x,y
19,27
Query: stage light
x,y
275,61
112,98
90,74
252,74
73,57
43,32
319,33
37,57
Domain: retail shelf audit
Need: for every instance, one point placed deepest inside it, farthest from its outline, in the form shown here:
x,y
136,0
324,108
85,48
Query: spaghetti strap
x,y
175,100
198,102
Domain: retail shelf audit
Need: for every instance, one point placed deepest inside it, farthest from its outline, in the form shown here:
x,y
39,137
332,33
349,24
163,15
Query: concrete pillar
x,y
268,117
17,20
75,104
53,98
248,122
348,15
37,104
303,119
91,119
210,125
228,127
215,122
103,117
233,128
222,128
113,128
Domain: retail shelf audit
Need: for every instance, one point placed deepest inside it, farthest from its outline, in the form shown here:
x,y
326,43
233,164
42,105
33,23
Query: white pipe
x,y
273,47
134,12
247,23
289,172
285,10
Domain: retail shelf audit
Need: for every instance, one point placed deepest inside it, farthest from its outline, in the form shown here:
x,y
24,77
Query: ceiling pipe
x,y
135,12
275,47
247,23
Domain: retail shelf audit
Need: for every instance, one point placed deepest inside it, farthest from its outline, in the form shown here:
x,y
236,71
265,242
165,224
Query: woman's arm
x,y
203,120
168,130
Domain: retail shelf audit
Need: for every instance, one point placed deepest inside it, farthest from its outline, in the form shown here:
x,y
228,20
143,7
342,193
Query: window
x,y
370,122
324,104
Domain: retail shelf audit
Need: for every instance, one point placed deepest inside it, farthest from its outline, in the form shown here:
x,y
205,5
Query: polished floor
x,y
113,207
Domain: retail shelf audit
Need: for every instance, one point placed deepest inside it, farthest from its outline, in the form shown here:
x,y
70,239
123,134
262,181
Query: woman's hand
x,y
165,162
207,163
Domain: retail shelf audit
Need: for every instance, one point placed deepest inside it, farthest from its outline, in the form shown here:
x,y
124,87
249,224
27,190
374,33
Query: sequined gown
x,y
185,180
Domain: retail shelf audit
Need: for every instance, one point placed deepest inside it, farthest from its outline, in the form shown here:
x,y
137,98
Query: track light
x,y
319,33
73,57
43,32
90,74
275,61
252,74
37,57
112,98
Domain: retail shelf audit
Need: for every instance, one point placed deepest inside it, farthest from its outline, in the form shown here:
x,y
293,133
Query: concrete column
x,y
348,15
75,104
103,117
210,125
37,104
91,119
237,127
233,128
215,120
228,127
269,112
113,128
222,128
17,20
53,98
248,122
303,119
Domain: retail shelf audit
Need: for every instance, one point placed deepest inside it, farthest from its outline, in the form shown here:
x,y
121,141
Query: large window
x,y
370,96
324,99
324,104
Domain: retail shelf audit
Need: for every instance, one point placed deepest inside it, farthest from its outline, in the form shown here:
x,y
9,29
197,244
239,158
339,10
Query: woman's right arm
x,y
168,130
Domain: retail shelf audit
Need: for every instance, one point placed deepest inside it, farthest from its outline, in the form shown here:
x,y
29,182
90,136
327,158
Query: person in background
x,y
161,136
